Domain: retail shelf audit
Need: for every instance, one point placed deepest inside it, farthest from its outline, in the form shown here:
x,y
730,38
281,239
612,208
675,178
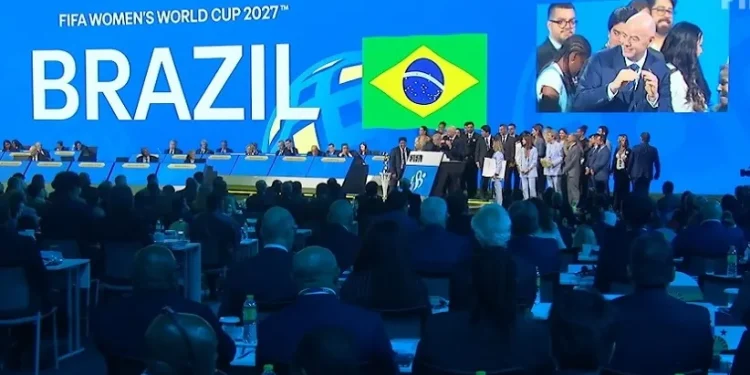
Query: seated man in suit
x,y
224,148
540,252
60,146
437,251
154,287
626,78
146,157
172,149
415,200
655,332
337,236
710,238
317,305
267,275
397,206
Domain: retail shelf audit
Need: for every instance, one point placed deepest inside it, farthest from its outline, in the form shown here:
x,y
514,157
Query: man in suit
x,y
469,180
337,236
710,238
37,155
173,149
154,287
572,169
626,78
42,153
146,157
438,251
60,146
508,140
561,24
456,147
315,272
413,200
397,159
179,343
644,165
289,143
655,332
484,150
597,165
267,275
397,208
224,148
540,252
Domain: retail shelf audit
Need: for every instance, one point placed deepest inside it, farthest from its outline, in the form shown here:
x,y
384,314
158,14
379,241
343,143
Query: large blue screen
x,y
252,71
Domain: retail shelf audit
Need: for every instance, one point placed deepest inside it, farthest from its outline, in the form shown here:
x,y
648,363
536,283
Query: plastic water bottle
x,y
268,370
159,226
732,262
250,321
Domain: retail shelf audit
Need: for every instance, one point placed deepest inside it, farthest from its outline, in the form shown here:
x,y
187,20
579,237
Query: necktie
x,y
403,157
631,86
487,140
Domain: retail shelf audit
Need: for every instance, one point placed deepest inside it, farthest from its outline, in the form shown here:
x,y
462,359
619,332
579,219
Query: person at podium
x,y
251,150
224,148
203,149
146,157
345,152
289,144
173,149
60,146
314,151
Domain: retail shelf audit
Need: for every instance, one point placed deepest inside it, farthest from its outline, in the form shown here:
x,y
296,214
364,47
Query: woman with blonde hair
x,y
497,179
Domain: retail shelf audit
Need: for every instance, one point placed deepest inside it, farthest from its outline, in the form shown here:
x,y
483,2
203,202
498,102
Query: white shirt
x,y
555,43
628,63
679,88
552,77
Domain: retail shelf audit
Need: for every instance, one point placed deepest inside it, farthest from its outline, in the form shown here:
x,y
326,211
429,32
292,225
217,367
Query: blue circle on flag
x,y
423,82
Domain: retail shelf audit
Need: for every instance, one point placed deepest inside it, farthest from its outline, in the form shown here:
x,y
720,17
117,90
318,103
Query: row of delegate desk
x,y
172,170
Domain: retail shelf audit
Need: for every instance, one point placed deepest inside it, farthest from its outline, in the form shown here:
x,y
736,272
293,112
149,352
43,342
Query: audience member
x,y
337,234
437,251
397,208
326,351
542,253
547,226
710,238
459,220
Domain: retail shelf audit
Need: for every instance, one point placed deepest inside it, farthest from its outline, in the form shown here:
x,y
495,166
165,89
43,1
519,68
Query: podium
x,y
422,170
48,169
98,171
222,163
66,155
176,174
135,173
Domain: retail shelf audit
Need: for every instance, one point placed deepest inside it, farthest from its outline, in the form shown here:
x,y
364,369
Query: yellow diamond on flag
x,y
455,81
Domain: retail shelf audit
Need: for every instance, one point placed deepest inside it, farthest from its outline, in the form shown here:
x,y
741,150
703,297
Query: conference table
x,y
77,275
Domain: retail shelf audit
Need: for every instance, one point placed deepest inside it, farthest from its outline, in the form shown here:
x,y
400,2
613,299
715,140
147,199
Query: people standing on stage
x,y
469,180
314,151
573,168
484,149
224,148
603,131
172,149
620,171
421,139
441,127
553,160
644,165
597,165
537,133
397,159
527,166
456,148
682,48
203,149
330,151
289,144
497,179
508,141
345,152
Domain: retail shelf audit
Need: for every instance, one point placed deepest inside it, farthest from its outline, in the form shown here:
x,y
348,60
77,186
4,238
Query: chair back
x,y
119,261
713,287
68,248
405,323
16,296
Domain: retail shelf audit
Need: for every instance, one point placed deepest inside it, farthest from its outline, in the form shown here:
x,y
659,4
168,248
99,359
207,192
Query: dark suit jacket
x,y
215,232
267,276
659,334
709,239
224,151
460,225
540,252
644,162
572,163
509,149
176,151
458,148
741,364
545,53
406,223
438,251
614,257
598,161
41,157
152,159
135,313
382,290
602,69
343,244
20,251
280,333
471,140
204,152
482,151
394,161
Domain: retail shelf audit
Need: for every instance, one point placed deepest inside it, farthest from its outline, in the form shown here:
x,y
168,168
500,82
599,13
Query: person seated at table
x,y
397,207
345,152
289,145
363,150
491,335
172,148
382,278
330,151
7,146
459,219
337,234
710,238
315,272
179,343
616,244
314,151
190,157
655,332
252,149
540,252
326,351
224,148
258,202
437,251
119,328
60,146
146,157
203,149
547,226
267,275
218,234
122,222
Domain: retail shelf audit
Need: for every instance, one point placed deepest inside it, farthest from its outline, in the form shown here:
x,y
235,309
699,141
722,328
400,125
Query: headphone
x,y
161,367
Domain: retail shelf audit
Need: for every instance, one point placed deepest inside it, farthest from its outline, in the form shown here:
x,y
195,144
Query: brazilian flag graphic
x,y
422,80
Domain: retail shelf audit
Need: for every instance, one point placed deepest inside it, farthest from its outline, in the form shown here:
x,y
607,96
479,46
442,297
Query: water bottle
x,y
538,286
268,370
732,262
481,373
245,231
159,227
250,321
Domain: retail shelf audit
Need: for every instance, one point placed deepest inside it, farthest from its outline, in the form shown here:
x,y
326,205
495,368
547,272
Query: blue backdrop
x,y
324,42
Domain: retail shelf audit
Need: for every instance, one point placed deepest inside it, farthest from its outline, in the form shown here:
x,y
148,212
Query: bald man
x,y
316,273
626,78
154,286
180,343
267,275
710,238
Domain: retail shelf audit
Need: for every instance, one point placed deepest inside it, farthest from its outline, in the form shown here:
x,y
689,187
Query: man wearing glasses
x,y
663,12
561,23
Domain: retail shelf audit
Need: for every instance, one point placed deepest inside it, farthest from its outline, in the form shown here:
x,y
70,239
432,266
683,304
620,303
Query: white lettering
x,y
258,81
162,59
204,109
41,84
109,89
284,111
